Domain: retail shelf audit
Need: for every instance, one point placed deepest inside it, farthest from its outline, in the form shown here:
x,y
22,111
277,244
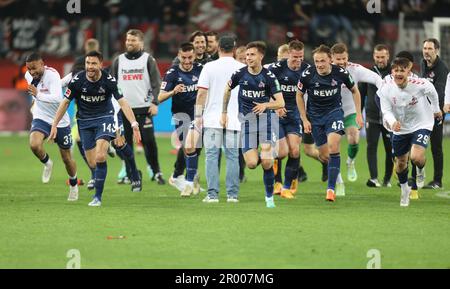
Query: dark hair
x,y
400,62
212,33
405,54
434,41
97,54
380,47
322,49
339,48
197,33
137,33
34,56
186,46
296,45
259,45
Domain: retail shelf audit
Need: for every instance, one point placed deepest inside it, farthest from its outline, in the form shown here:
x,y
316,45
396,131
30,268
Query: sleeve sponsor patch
x,y
67,93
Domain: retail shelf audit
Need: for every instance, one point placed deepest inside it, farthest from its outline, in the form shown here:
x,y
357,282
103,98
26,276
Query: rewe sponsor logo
x,y
327,92
253,94
92,98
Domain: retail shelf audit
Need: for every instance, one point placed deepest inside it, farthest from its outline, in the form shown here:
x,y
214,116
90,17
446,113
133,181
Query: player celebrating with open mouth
x,y
405,107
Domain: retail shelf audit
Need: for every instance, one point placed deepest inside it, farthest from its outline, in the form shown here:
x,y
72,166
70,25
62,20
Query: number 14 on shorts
x,y
109,127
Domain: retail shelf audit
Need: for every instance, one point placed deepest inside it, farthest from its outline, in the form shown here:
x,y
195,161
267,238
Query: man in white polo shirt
x,y
211,85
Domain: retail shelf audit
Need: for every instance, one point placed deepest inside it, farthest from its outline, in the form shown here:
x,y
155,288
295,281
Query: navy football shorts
x,y
63,135
401,144
93,130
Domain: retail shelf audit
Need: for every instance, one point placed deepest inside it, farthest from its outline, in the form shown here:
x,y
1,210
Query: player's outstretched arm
x,y
65,81
59,115
131,118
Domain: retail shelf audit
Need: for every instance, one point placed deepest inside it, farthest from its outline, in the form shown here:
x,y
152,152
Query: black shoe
x,y
372,184
433,185
159,178
302,177
136,186
324,172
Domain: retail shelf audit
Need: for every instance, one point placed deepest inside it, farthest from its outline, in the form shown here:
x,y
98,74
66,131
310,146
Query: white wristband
x,y
135,124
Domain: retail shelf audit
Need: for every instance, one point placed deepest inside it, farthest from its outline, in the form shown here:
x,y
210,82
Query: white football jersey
x,y
410,105
359,74
49,96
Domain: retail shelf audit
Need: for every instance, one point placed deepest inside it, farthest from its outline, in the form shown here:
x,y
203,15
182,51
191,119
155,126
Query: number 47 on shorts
x,y
338,125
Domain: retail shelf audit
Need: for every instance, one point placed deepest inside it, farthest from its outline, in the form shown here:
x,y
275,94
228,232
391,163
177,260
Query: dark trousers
x,y
436,150
148,138
373,131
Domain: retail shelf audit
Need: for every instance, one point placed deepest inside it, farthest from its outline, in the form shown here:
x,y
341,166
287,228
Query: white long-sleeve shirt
x,y
359,74
409,105
49,96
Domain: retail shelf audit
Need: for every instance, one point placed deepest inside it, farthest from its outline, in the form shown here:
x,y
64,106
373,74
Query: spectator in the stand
x,y
418,10
213,44
118,23
19,81
175,12
304,9
328,20
258,12
284,15
142,11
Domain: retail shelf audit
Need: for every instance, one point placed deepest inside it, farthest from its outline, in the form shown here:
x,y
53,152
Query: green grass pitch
x,y
38,226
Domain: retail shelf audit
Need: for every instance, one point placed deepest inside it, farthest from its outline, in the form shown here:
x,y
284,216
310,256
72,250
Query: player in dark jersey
x,y
257,85
325,117
92,90
91,44
288,72
180,83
